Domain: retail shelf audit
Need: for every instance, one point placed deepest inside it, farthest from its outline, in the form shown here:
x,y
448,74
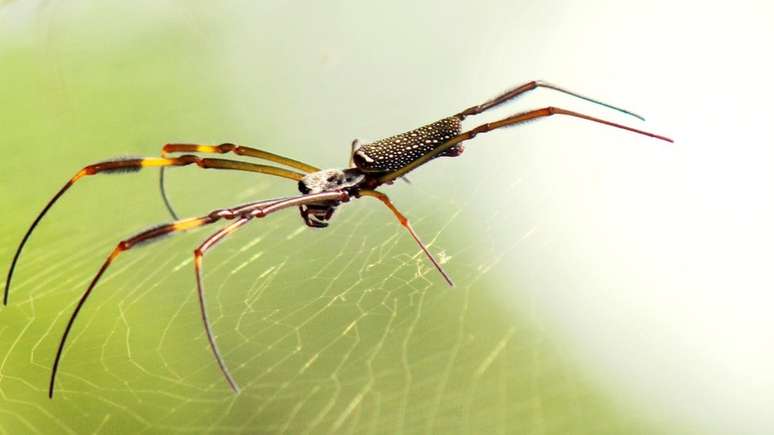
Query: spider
x,y
322,191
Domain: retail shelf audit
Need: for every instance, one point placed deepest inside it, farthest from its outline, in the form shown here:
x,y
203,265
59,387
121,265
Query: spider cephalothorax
x,y
316,215
330,179
375,164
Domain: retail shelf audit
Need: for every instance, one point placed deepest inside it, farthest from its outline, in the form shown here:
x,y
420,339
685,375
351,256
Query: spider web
x,y
346,330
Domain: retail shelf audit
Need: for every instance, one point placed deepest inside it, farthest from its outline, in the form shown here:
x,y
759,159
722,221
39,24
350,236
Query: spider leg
x,y
198,254
138,239
506,122
405,222
223,149
133,165
515,92
146,237
238,150
548,111
246,214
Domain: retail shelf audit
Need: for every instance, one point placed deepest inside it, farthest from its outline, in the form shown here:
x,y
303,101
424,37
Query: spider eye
x,y
303,188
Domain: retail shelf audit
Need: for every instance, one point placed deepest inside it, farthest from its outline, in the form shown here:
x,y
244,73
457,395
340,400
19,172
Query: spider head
x,y
316,215
330,179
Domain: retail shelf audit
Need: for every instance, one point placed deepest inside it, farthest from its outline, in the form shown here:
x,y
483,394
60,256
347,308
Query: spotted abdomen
x,y
395,152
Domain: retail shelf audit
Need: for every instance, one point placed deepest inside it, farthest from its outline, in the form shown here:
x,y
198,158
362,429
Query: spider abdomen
x,y
397,151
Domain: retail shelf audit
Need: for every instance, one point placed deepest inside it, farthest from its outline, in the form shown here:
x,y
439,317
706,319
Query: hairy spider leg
x,y
506,122
223,149
247,213
515,92
405,223
134,165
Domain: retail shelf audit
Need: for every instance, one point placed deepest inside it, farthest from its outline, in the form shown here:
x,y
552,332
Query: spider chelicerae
x,y
322,191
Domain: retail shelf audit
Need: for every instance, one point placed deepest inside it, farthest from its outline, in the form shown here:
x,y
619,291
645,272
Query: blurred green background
x,y
347,330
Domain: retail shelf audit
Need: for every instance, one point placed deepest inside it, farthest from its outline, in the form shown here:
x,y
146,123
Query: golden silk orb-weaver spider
x,y
371,166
